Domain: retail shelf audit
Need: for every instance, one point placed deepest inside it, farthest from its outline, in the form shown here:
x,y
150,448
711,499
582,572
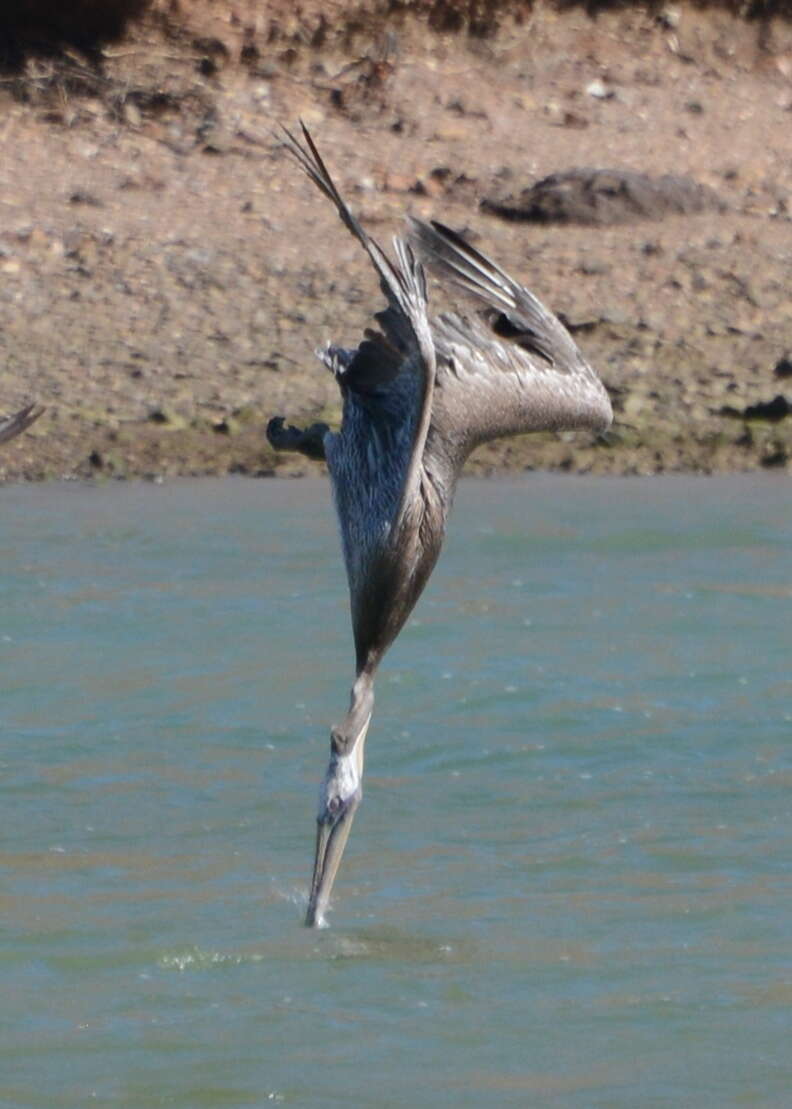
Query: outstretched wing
x,y
403,346
14,425
516,369
375,461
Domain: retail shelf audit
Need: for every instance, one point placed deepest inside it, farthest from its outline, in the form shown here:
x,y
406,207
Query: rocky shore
x,y
167,273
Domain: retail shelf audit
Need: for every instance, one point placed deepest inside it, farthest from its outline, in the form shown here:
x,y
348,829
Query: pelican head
x,y
339,796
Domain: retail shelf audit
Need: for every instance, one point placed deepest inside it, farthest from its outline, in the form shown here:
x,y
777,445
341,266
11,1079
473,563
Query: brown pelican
x,y
418,396
14,425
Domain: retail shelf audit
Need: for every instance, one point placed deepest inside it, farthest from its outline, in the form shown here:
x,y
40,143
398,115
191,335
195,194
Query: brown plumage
x,y
418,396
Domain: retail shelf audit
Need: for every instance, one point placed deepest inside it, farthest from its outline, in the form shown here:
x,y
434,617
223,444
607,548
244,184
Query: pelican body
x,y
418,397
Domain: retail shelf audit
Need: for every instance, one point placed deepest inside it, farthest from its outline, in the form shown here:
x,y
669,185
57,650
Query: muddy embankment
x,y
166,272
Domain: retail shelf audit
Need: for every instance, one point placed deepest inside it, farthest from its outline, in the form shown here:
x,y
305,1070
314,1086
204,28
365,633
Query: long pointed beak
x,y
331,838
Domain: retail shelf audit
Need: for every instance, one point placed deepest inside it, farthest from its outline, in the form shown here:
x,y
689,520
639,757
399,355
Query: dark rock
x,y
604,197
774,410
79,196
783,368
775,456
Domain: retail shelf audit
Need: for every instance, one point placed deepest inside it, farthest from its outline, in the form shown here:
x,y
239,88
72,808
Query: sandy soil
x,y
167,272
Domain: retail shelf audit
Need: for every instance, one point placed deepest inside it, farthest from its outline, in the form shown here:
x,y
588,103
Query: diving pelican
x,y
15,425
418,396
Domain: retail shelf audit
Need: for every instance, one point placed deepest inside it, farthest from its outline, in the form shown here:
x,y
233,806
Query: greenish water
x,y
568,884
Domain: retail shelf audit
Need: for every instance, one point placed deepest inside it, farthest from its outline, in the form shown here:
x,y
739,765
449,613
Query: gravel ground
x,y
167,272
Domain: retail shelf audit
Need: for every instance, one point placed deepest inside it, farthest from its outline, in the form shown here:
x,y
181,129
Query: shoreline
x,y
167,273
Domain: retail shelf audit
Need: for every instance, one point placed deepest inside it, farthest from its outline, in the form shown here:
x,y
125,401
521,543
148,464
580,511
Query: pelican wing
x,y
516,369
14,425
375,461
403,345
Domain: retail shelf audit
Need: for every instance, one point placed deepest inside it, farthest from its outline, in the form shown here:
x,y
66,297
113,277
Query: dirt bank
x,y
166,272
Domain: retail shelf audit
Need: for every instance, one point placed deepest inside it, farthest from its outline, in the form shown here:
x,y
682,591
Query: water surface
x,y
569,882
